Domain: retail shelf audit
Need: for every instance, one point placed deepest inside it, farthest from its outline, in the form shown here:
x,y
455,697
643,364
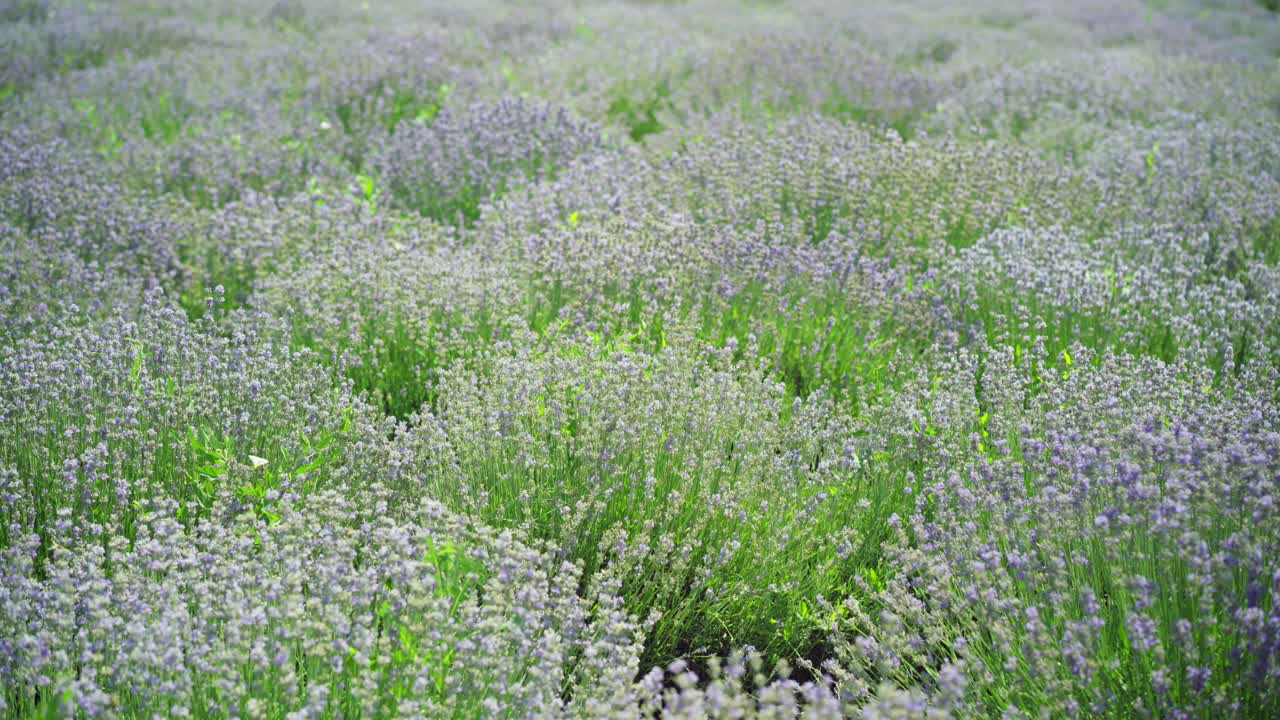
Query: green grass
x,y
460,204
210,269
398,364
399,359
842,107
639,115
821,339
162,119
389,107
1266,242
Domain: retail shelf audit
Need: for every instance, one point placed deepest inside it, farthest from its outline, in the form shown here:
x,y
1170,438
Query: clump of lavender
x,y
71,236
261,239
1055,105
41,39
809,199
447,170
824,242
370,89
45,282
688,478
658,75
823,72
104,420
739,685
389,303
1216,178
1100,540
1142,290
331,608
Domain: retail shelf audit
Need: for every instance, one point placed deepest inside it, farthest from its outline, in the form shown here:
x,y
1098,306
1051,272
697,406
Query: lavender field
x,y
689,359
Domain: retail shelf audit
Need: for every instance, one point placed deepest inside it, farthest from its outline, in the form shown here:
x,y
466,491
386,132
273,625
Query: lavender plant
x,y
1116,529
725,514
447,170
332,609
105,420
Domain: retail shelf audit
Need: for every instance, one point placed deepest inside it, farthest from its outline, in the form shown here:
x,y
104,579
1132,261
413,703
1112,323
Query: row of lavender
x,y
907,362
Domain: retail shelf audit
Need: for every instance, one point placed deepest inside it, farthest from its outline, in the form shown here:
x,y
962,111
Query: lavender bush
x,y
699,359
